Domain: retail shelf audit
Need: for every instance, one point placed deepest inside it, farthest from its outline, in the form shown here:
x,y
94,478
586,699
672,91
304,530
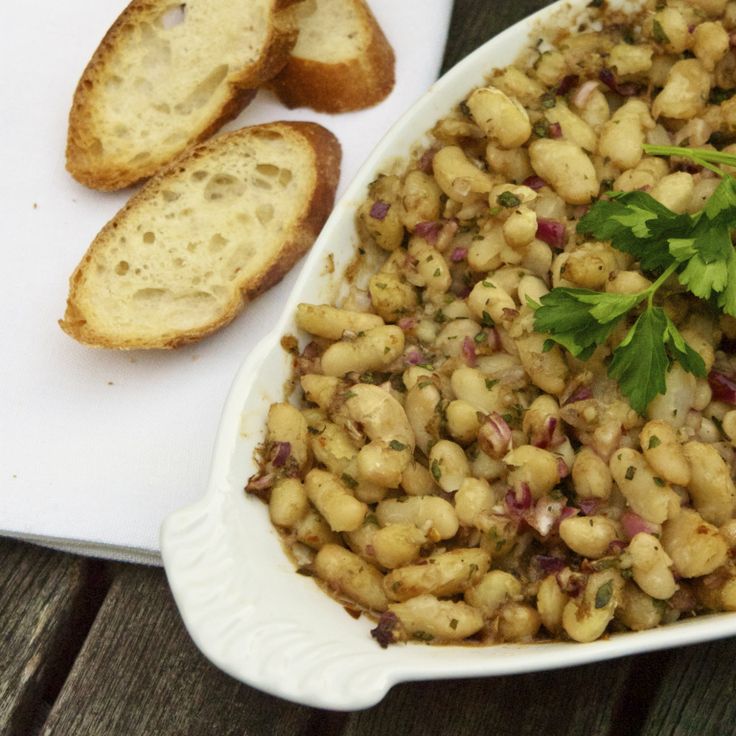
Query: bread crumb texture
x,y
220,225
166,76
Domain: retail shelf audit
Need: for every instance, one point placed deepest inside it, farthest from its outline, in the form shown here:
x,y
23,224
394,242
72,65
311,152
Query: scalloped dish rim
x,y
234,585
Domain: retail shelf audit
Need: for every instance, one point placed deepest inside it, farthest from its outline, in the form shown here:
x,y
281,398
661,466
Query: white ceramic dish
x,y
242,602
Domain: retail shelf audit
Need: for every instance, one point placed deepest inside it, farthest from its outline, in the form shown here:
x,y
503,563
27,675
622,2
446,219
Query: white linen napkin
x,y
97,447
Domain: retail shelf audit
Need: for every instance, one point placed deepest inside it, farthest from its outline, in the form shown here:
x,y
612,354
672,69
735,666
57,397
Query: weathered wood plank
x,y
695,693
582,700
140,673
44,607
475,21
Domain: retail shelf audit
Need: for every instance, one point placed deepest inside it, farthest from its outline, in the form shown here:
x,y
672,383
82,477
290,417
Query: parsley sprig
x,y
695,249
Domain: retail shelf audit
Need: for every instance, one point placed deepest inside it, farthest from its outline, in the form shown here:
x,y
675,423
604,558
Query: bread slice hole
x,y
199,175
264,213
150,294
149,237
217,243
122,268
268,170
170,196
223,186
173,16
285,177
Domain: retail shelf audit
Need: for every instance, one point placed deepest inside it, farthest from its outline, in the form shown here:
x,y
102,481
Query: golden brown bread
x,y
341,61
217,227
166,76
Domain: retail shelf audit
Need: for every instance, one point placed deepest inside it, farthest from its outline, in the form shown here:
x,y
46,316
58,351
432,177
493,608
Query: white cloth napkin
x,y
97,447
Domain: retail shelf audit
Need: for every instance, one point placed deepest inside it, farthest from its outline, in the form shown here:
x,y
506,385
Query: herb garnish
x,y
696,249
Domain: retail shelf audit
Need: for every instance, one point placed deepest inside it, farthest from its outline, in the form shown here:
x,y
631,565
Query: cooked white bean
x,y
285,423
448,465
585,619
589,536
499,116
373,350
648,495
333,499
428,513
288,502
444,574
711,488
566,167
348,573
426,618
695,546
397,544
330,322
664,453
534,466
457,176
591,475
651,566
551,602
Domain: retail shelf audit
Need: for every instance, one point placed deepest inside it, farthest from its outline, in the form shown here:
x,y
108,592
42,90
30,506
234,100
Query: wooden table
x,y
94,648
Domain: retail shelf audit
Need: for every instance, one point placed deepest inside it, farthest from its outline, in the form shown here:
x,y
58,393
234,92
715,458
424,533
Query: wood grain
x,y
45,601
140,673
695,693
577,701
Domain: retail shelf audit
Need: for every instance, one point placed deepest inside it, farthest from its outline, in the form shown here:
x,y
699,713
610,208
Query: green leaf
x,y
640,361
702,279
603,594
565,315
682,352
727,298
638,224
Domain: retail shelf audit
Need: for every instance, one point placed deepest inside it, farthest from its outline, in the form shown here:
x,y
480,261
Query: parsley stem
x,y
649,292
701,156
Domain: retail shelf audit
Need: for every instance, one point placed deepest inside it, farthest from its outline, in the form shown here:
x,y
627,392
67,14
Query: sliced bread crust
x,y
316,77
167,76
220,225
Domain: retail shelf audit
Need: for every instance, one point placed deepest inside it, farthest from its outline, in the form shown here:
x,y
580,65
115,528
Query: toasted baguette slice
x,y
220,225
166,76
341,61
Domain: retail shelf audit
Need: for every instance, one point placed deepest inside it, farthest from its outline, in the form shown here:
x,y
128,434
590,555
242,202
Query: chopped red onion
x,y
723,387
546,515
414,357
259,483
581,97
311,350
582,394
458,254
543,439
567,83
551,232
469,351
625,90
280,453
509,313
518,501
386,630
633,524
567,512
589,506
549,564
494,341
534,182
380,209
555,130
562,470
426,161
494,438
617,546
407,323
429,230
